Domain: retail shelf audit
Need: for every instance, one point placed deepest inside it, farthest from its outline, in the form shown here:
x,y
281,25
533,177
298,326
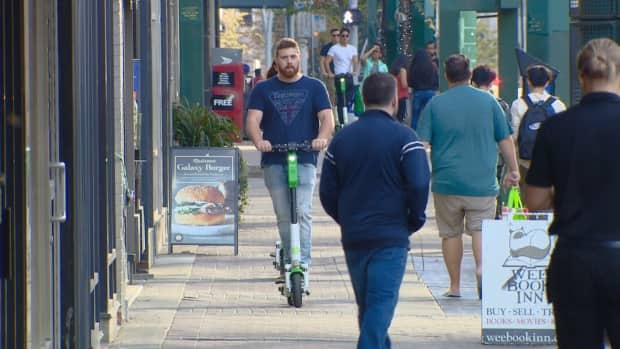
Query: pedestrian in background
x,y
344,57
482,77
399,70
575,170
464,126
258,77
374,184
538,78
273,70
372,62
290,107
423,79
324,68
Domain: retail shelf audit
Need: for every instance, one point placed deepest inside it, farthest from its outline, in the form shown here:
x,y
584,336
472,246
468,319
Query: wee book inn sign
x,y
515,309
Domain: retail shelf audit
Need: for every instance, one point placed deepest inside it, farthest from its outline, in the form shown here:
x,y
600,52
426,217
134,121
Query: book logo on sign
x,y
529,253
528,248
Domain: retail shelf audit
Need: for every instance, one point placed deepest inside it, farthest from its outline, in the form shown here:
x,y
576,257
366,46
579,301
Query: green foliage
x,y
243,185
198,126
486,42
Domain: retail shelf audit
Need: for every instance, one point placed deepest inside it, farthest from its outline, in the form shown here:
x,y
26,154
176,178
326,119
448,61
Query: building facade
x,y
85,122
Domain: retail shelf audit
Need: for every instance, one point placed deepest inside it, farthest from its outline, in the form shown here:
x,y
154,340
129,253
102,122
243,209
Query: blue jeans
x,y
277,184
376,276
418,102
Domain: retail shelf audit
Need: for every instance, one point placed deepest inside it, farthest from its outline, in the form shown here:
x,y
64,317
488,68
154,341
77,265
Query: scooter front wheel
x,y
296,291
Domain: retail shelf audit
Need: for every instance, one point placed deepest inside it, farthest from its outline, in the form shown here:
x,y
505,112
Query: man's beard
x,y
289,71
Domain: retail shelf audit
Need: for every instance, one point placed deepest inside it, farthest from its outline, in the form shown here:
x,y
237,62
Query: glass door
x,y
13,243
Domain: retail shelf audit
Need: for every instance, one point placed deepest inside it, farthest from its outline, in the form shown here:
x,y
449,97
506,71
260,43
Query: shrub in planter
x,y
195,125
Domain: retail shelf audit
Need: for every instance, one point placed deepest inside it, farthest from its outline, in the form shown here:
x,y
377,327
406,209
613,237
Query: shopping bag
x,y
358,105
514,209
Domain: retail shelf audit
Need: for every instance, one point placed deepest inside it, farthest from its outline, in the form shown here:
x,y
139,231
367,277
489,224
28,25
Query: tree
x,y
230,21
241,29
486,41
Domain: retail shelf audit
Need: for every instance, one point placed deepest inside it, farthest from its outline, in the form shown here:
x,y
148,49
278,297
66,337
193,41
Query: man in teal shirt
x,y
464,127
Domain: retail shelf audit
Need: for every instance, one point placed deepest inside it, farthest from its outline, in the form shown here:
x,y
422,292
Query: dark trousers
x,y
376,276
402,109
344,98
418,102
583,284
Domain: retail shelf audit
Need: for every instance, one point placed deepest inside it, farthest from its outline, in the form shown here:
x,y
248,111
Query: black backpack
x,y
532,119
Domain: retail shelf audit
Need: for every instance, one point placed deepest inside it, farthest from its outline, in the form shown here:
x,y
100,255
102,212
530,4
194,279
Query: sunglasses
x,y
344,36
336,35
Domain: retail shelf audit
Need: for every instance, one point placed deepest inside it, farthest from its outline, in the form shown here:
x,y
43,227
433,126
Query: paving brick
x,y
211,298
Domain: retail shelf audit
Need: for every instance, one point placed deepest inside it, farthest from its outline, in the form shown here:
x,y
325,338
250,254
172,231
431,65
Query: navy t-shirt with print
x,y
289,114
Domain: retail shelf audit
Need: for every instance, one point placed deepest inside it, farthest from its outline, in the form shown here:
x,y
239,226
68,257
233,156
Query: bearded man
x,y
290,108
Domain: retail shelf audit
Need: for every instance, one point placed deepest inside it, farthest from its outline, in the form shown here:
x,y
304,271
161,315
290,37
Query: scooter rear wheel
x,y
296,291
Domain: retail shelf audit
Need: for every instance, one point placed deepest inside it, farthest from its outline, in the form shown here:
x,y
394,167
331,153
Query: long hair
x,y
273,71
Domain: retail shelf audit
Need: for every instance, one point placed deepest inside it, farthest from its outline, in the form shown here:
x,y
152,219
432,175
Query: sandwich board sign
x,y
204,196
515,255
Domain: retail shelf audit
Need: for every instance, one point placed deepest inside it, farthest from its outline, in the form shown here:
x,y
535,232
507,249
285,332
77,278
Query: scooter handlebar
x,y
292,146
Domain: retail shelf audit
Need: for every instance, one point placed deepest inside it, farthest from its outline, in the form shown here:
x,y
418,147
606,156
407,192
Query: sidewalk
x,y
207,297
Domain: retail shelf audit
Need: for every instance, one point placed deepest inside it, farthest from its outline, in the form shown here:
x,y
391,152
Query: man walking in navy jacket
x,y
374,184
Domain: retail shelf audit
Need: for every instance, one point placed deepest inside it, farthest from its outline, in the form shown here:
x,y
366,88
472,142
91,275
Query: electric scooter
x,y
296,274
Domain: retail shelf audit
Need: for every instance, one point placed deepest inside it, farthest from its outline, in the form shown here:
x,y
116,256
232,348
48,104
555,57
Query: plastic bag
x,y
358,106
514,208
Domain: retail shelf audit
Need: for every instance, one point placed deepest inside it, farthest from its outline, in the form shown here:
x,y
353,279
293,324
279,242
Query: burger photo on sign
x,y
200,205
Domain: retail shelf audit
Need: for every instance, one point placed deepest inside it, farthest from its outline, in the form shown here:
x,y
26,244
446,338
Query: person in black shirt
x,y
575,170
326,68
483,77
423,79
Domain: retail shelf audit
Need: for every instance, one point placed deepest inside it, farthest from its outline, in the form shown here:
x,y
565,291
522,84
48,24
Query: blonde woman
x,y
575,170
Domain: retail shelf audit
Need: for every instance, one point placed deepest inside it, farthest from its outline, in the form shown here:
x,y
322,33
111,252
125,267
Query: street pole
x,y
312,49
372,21
268,32
353,39
390,31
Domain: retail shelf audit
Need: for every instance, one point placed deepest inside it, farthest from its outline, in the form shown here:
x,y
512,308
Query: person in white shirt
x,y
538,78
344,57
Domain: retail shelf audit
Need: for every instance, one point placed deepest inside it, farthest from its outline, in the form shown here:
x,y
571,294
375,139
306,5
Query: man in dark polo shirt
x,y
575,170
326,68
